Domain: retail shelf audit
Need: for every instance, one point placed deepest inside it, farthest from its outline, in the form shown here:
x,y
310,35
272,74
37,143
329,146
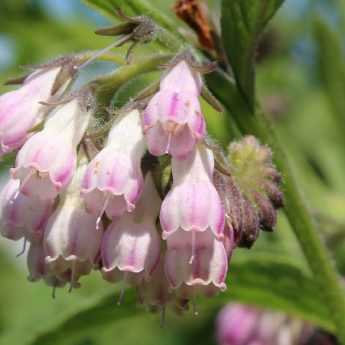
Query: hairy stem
x,y
107,85
299,217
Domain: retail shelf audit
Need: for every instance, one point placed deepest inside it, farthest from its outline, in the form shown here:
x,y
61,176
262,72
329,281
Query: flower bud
x,y
71,242
173,122
46,163
249,189
113,181
257,178
131,245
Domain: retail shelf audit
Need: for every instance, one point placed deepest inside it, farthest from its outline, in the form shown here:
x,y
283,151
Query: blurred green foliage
x,y
300,84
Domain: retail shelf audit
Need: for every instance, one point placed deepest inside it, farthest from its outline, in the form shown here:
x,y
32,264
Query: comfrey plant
x,y
239,324
147,197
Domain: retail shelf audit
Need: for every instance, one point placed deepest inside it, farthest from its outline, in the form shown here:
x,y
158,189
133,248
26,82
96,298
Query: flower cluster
x,y
239,324
106,209
250,190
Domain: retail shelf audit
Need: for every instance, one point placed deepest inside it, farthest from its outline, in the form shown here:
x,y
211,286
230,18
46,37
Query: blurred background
x,y
300,84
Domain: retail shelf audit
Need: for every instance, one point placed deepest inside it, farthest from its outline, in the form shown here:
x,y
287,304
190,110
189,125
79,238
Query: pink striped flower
x,y
193,204
113,181
20,110
71,241
131,245
46,163
173,121
208,267
20,215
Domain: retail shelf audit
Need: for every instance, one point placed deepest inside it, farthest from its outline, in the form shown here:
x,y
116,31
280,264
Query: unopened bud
x,y
257,178
248,184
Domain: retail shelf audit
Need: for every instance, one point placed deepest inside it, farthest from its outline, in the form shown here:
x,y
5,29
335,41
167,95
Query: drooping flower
x,y
113,181
21,216
21,110
71,241
207,268
38,268
131,245
239,324
236,325
47,161
193,204
173,121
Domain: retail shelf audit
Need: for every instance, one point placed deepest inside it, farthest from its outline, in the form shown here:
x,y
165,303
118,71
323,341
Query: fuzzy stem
x,y
299,217
107,85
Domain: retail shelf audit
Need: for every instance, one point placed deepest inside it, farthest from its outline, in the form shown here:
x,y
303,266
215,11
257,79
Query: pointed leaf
x,y
242,23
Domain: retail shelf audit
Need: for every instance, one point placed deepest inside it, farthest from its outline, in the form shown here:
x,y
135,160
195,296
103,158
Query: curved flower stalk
x,y
21,216
113,181
173,122
131,245
71,242
46,163
193,204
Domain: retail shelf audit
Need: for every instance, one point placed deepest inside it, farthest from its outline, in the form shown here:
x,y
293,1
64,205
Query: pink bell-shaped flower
x,y
21,216
20,110
47,161
38,269
173,122
113,181
71,241
196,259
131,245
237,325
193,204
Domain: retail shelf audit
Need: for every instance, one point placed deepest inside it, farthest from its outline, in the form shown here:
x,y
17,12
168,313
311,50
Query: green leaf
x,y
298,214
242,23
332,70
268,281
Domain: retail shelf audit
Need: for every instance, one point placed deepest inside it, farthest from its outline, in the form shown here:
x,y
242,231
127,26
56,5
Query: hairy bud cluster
x,y
250,190
105,210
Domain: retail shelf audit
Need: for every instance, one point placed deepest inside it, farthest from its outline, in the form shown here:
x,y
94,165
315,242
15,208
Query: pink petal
x,y
182,142
157,140
203,265
181,78
130,247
